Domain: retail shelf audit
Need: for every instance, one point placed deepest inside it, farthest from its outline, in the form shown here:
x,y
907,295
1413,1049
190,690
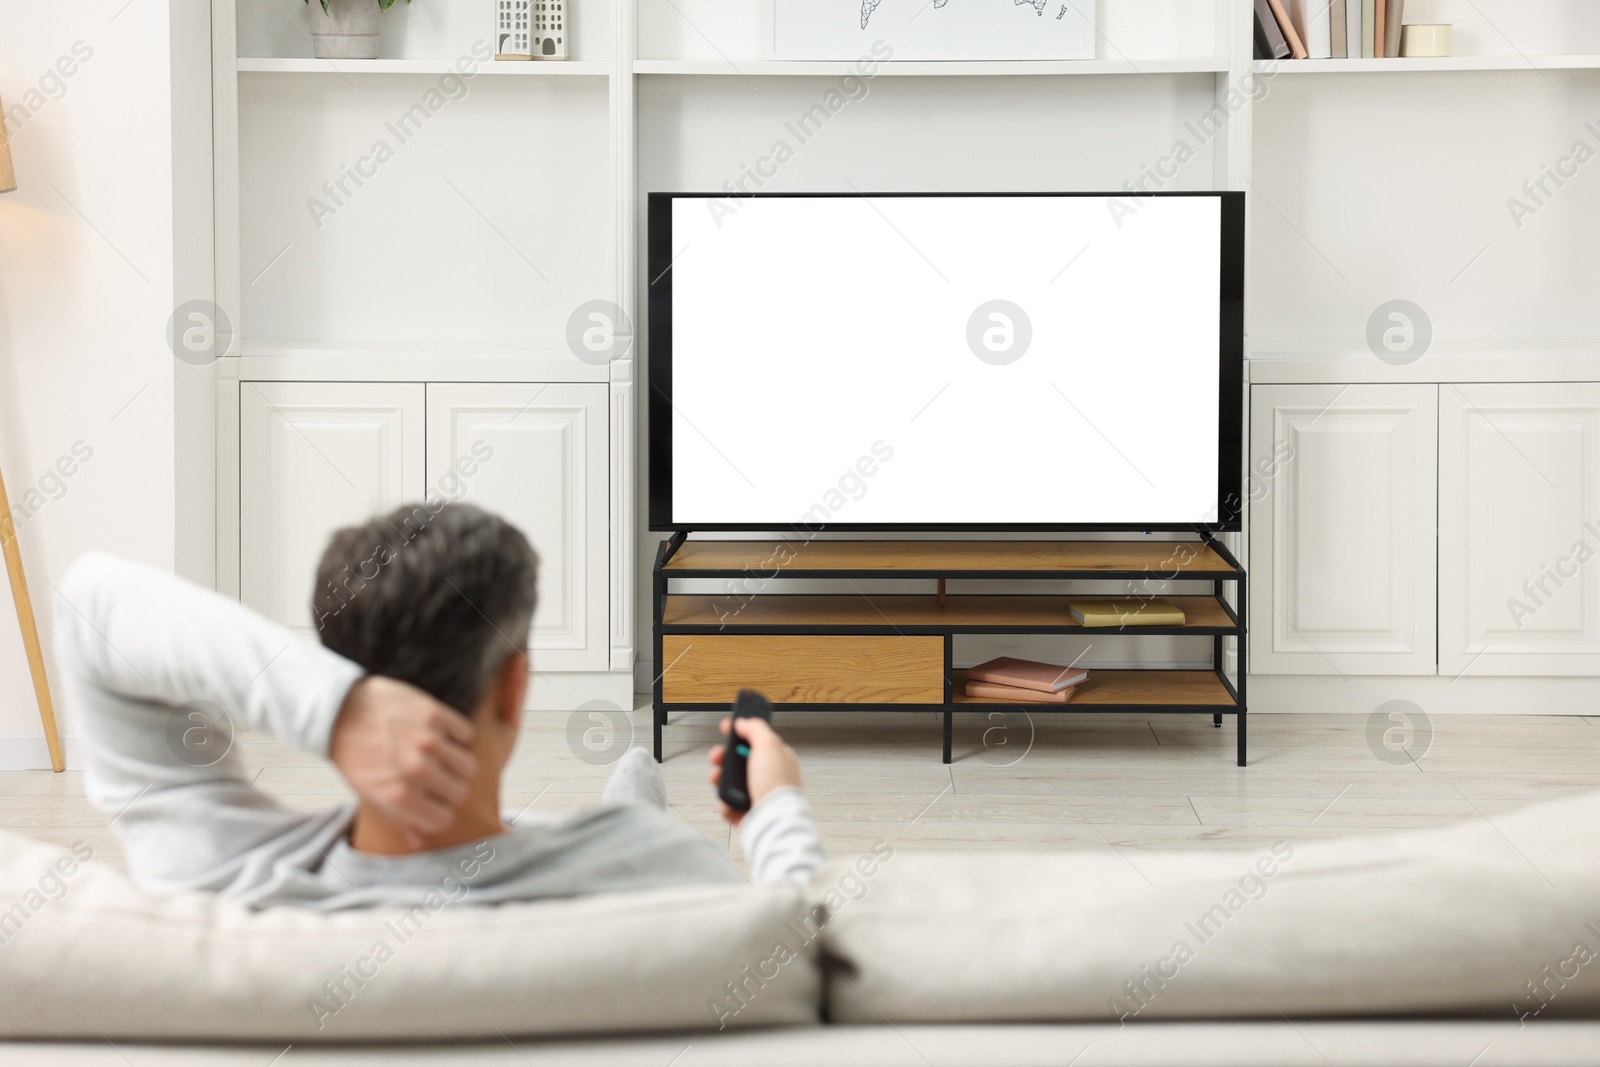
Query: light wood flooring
x,y
1128,782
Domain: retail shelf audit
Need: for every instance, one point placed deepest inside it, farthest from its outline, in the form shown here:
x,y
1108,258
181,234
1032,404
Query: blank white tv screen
x,y
903,361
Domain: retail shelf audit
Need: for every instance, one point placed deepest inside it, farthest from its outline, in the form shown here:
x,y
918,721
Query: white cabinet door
x,y
1342,553
536,454
315,456
1519,531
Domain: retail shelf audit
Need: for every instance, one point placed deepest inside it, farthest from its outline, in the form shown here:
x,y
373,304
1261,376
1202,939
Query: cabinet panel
x,y
1519,582
822,669
537,454
1342,553
316,456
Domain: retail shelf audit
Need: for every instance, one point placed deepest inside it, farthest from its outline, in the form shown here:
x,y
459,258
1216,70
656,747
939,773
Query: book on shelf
x,y
1022,696
1280,14
1310,18
1099,613
1026,674
1391,28
1270,41
1328,29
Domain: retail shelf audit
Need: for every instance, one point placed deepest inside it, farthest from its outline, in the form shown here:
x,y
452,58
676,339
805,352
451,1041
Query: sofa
x,y
1475,944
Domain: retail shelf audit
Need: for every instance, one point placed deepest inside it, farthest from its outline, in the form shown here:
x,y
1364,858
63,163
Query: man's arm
x,y
154,668
778,834
157,672
142,634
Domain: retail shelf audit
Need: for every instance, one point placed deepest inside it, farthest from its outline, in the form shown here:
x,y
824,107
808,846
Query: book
x,y
1027,674
1270,41
1338,27
1391,28
1380,16
1353,28
1311,19
1011,692
1369,22
1297,48
1097,613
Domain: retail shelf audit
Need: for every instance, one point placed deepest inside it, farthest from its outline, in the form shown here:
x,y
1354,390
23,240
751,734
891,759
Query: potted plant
x,y
346,29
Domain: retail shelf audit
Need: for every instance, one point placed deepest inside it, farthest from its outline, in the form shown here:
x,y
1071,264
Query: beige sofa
x,y
1434,947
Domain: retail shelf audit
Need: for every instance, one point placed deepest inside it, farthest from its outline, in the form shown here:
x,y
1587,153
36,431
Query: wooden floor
x,y
1127,782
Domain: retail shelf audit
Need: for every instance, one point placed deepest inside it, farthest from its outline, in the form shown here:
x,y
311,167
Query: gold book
x,y
1100,613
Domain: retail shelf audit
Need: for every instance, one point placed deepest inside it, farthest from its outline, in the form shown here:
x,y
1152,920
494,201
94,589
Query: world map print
x,y
869,6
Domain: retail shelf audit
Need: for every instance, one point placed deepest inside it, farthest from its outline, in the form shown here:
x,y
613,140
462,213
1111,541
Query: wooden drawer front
x,y
712,668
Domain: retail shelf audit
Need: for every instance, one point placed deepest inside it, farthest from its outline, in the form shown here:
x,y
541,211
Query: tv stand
x,y
893,652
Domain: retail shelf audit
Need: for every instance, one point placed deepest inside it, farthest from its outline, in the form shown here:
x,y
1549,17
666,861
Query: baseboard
x,y
1363,695
28,752
567,690
1280,694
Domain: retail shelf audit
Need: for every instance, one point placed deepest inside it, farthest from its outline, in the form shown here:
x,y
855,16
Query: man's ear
x,y
511,687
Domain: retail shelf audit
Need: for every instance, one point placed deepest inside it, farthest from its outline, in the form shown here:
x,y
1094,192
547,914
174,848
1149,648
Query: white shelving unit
x,y
926,69
359,68
1379,574
1447,63
522,197
401,243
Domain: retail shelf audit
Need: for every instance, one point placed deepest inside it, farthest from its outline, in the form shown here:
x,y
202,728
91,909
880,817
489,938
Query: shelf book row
x,y
1032,682
1024,680
1329,29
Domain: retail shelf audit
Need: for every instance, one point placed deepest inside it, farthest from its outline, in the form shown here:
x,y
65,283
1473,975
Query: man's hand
x,y
404,753
772,764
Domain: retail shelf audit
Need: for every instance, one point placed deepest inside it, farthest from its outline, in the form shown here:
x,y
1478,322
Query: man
x,y
416,699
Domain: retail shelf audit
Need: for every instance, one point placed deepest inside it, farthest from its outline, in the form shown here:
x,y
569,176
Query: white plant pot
x,y
347,30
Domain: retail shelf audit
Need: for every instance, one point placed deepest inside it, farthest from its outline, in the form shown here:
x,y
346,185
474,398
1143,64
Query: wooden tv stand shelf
x,y
893,651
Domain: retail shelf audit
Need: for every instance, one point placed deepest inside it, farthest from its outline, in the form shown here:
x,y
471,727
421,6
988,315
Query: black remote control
x,y
734,789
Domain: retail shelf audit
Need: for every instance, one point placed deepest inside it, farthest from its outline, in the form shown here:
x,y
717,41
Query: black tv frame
x,y
1230,373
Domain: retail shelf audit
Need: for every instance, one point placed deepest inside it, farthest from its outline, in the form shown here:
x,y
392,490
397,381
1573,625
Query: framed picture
x,y
934,29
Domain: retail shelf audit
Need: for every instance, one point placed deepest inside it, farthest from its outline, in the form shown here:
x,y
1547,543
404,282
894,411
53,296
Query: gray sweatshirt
x,y
158,670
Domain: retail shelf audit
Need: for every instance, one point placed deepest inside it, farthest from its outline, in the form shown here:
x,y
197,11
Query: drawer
x,y
803,669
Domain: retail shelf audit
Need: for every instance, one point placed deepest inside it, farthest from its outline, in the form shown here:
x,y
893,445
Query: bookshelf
x,y
1361,190
928,69
363,67
1424,65
895,651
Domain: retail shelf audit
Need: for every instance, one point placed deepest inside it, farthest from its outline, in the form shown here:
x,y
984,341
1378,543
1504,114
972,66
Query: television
x,y
939,361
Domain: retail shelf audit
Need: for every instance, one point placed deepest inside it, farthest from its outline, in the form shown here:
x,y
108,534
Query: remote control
x,y
733,789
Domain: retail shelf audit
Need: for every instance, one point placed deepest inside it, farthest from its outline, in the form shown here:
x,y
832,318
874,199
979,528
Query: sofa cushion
x,y
1496,918
85,954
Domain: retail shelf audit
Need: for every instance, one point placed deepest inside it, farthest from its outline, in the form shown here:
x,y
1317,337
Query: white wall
x,y
86,288
1385,187
447,275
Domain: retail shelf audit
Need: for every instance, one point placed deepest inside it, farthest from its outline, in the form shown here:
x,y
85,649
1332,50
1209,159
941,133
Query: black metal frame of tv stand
x,y
1237,628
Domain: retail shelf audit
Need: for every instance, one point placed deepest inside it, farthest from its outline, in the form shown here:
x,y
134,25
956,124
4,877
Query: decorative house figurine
x,y
513,39
549,29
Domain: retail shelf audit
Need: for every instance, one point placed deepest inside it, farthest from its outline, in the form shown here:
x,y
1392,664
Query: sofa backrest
x,y
1498,919
85,954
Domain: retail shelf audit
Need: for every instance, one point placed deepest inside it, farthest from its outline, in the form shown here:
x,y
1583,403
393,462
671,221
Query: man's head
x,y
440,598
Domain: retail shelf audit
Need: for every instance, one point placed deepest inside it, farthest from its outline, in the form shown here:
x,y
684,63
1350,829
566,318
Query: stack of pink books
x,y
1024,680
